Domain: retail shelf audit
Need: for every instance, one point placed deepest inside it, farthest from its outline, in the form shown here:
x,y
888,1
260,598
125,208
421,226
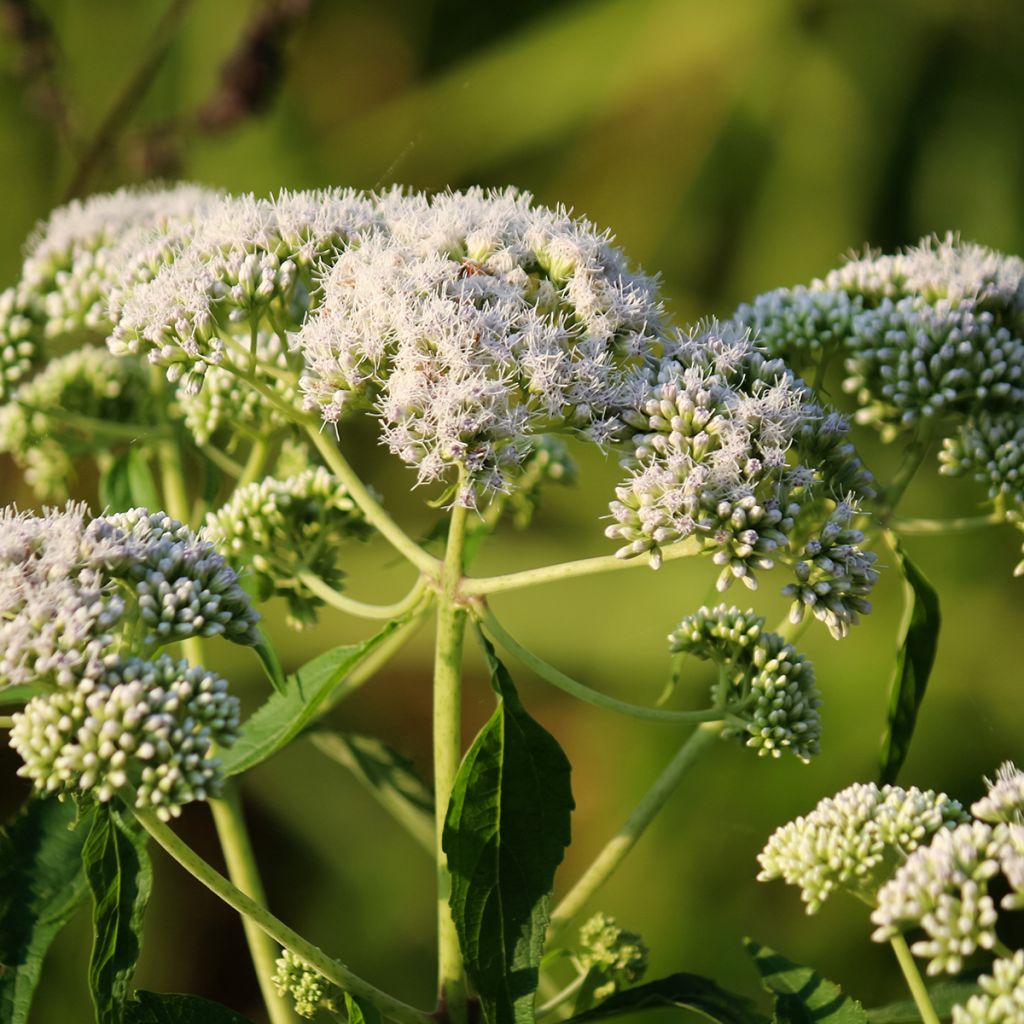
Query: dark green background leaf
x,y
41,886
803,995
388,775
285,714
120,877
166,1008
271,664
361,1013
128,483
505,834
919,638
686,991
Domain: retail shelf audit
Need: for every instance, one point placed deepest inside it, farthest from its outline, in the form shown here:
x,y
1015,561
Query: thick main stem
x,y
914,980
451,626
277,930
634,827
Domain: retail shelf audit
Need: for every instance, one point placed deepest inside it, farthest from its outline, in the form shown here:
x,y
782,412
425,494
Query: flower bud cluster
x,y
1001,1000
311,991
730,448
853,841
473,322
617,956
944,890
19,340
767,686
277,528
87,382
1004,800
84,606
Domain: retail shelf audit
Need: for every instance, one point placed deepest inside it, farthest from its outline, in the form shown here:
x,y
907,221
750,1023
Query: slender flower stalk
x,y
361,609
615,851
915,983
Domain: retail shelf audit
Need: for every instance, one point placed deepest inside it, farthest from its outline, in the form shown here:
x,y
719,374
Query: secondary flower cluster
x,y
732,449
278,528
613,957
475,321
932,338
310,991
927,868
85,606
766,682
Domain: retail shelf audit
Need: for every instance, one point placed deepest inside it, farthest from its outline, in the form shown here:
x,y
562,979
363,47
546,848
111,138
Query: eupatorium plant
x,y
200,356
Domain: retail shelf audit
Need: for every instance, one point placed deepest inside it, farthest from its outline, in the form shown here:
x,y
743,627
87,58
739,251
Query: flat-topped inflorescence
x,y
944,890
1001,999
855,840
732,449
85,605
475,322
277,528
766,683
51,419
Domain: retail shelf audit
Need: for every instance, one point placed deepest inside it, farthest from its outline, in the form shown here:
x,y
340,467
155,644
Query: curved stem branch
x,y
483,585
960,524
578,690
334,971
606,862
351,606
914,980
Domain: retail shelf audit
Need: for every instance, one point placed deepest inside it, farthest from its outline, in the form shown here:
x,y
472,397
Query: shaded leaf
x,y
944,996
685,991
41,886
505,834
128,483
361,1012
171,1008
287,712
919,638
119,874
802,995
271,664
388,775
19,693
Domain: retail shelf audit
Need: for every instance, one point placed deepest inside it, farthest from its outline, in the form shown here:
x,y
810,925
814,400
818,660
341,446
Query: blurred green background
x,y
732,147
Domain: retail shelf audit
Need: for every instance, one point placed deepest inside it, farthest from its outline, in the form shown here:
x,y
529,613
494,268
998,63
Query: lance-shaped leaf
x,y
171,1008
505,834
289,710
387,775
120,877
919,638
802,996
41,886
685,991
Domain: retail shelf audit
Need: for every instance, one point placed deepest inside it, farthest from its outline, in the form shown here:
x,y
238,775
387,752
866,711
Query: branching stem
x,y
914,980
361,609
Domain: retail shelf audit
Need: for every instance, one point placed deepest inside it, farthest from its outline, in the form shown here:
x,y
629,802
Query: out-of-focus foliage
x,y
732,148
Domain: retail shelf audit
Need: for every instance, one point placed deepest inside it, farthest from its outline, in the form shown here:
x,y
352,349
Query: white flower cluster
x,y
731,448
932,335
853,841
474,322
310,991
84,607
767,682
1001,1000
1004,800
617,957
19,344
943,889
87,382
276,528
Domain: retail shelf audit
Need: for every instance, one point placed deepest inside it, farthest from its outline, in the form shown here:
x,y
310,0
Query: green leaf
x,y
129,483
944,996
686,991
919,638
360,1012
166,1008
19,693
120,877
505,834
802,995
287,712
388,775
271,664
41,886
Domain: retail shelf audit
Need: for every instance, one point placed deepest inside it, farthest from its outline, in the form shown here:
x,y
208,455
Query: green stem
x,y
959,524
351,606
222,461
334,971
568,570
578,690
451,627
104,428
241,862
914,980
6,721
255,463
567,993
613,854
